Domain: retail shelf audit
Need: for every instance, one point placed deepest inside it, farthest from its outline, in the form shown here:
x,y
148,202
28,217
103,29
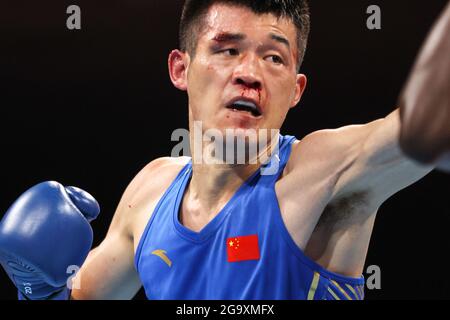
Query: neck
x,y
213,185
214,181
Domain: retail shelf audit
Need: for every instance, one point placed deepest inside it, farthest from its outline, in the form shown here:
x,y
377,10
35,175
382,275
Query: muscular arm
x,y
109,272
351,171
359,159
425,100
335,184
419,132
377,166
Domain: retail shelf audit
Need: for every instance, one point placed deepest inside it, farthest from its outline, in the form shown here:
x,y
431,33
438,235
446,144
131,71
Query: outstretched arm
x,y
399,149
385,156
425,100
352,170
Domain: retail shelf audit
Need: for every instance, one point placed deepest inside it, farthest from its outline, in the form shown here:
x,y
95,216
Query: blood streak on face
x,y
258,91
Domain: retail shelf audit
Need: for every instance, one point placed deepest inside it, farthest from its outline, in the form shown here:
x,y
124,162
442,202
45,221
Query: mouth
x,y
245,105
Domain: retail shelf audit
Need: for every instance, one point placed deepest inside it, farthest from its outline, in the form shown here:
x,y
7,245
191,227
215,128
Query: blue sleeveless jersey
x,y
245,252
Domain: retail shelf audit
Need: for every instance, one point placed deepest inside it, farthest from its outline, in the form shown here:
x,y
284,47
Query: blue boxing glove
x,y
43,235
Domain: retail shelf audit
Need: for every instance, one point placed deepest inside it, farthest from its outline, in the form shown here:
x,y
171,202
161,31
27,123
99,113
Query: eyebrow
x,y
280,39
227,36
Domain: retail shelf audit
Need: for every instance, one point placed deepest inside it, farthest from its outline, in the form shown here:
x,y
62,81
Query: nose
x,y
247,73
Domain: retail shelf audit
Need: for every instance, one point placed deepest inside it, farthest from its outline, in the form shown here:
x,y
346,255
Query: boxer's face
x,y
241,56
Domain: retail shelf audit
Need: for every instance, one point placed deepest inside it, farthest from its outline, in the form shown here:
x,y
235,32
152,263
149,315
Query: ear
x,y
178,69
300,87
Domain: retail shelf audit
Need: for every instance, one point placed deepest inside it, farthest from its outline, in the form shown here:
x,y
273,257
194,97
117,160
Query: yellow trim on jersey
x,y
341,290
333,294
314,284
361,291
352,290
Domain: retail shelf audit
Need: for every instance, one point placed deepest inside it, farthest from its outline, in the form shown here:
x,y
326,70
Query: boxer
x,y
187,229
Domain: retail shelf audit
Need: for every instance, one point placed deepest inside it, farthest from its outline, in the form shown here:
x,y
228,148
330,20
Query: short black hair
x,y
194,11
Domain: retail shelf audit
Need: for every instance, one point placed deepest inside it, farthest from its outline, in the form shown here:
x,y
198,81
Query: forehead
x,y
222,17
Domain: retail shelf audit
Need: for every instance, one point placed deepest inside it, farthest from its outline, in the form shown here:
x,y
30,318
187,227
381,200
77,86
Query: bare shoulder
x,y
155,176
330,150
144,191
319,161
358,159
342,137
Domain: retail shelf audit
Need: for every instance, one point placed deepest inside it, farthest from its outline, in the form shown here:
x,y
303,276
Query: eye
x,y
275,59
230,52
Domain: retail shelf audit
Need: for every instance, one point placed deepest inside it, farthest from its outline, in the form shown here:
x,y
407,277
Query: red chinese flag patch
x,y
242,248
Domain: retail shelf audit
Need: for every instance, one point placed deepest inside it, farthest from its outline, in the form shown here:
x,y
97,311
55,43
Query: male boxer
x,y
188,229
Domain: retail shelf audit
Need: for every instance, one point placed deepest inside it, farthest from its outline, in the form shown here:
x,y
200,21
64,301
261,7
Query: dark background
x,y
91,107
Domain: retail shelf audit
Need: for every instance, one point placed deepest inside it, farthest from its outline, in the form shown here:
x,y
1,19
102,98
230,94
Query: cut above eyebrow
x,y
280,39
